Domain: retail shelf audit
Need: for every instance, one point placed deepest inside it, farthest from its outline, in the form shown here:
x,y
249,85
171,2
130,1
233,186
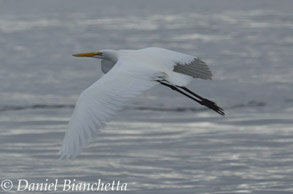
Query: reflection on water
x,y
157,151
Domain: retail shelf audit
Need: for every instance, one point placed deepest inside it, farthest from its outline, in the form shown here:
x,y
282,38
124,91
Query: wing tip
x,y
67,155
196,68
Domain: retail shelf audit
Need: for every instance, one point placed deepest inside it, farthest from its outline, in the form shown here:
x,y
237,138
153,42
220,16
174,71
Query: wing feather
x,y
98,103
196,68
179,63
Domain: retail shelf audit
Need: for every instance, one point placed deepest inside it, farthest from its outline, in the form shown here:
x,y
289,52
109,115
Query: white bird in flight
x,y
128,73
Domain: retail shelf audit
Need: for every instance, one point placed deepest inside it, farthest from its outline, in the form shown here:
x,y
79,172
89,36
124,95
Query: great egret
x,y
127,74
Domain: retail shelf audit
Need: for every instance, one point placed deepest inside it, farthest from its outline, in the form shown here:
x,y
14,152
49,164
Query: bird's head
x,y
103,54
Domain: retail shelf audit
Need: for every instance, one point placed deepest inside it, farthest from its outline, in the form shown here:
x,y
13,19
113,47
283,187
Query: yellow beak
x,y
87,54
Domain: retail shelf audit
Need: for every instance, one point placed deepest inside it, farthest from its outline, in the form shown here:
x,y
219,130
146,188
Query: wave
x,y
35,106
143,108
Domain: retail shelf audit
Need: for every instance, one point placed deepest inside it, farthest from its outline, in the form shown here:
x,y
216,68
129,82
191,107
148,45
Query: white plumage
x,y
128,74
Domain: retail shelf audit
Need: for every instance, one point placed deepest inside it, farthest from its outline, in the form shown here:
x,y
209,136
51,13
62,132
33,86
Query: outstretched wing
x,y
98,103
181,63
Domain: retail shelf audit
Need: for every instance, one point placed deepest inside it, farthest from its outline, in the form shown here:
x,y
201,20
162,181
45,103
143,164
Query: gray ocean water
x,y
162,142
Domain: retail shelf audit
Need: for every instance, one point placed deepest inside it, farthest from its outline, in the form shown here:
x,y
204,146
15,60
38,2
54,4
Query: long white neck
x,y
109,55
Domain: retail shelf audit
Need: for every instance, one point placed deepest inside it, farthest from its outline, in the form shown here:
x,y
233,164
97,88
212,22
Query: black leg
x,y
191,92
206,102
203,101
176,89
